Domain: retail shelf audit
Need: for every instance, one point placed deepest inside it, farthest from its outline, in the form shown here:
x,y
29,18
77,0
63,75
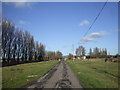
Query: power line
x,y
96,18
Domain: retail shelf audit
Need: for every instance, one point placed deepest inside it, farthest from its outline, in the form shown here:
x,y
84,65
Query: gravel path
x,y
61,76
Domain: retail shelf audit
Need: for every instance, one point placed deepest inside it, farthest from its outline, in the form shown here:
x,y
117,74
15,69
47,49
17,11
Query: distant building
x,y
78,57
83,57
65,59
73,58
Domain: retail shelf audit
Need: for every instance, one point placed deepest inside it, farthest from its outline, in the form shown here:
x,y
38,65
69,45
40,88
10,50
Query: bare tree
x,y
83,51
77,51
58,55
80,51
7,37
70,56
36,50
31,47
90,52
41,52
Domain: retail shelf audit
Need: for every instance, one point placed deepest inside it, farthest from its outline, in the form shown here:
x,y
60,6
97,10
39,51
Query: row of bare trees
x,y
98,52
20,47
53,55
93,53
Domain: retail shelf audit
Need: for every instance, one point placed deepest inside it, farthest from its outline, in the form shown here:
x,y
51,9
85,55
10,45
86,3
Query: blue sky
x,y
62,24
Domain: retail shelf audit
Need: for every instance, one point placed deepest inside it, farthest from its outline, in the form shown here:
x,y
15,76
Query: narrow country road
x,y
61,76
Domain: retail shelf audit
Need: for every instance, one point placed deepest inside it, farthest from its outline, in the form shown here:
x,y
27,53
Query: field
x,y
95,74
20,75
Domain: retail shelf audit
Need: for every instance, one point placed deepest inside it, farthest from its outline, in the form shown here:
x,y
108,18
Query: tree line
x,y
20,47
80,51
93,53
98,52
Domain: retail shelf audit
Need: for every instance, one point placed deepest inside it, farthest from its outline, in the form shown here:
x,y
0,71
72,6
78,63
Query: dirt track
x,y
61,76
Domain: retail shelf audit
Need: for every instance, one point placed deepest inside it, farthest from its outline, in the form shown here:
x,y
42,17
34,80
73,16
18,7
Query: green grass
x,y
22,74
97,74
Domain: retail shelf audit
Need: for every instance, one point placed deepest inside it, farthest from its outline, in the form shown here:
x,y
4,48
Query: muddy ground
x,y
61,76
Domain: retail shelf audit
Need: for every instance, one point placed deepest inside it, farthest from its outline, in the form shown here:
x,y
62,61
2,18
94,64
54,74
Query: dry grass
x,y
102,59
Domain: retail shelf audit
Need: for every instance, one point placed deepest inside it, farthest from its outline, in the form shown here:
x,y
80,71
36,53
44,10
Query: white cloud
x,y
23,22
22,4
87,39
97,34
84,23
92,37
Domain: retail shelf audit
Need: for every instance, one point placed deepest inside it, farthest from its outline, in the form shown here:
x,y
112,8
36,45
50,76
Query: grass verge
x,y
20,75
95,74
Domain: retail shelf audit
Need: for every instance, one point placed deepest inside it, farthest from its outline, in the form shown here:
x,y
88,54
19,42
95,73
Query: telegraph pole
x,y
73,51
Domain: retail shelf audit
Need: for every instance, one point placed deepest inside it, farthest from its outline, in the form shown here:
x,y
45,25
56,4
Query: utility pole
x,y
73,51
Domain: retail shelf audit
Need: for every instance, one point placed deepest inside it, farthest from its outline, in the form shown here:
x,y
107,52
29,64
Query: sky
x,y
62,25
